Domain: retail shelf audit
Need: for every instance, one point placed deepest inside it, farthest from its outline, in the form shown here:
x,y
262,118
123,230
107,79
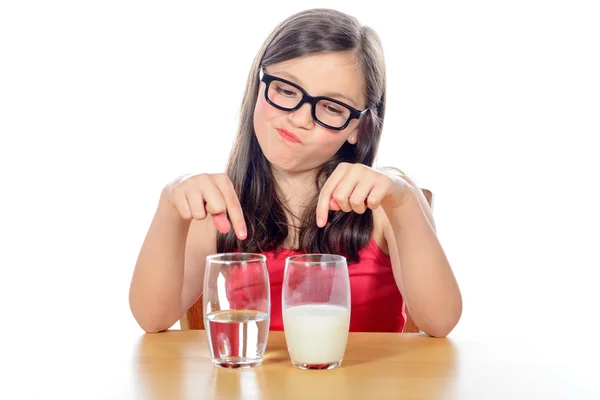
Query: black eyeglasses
x,y
327,112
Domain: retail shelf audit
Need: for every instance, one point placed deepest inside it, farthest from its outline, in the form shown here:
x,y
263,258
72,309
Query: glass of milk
x,y
237,308
316,310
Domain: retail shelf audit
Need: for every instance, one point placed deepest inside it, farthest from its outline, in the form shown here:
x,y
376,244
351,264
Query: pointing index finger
x,y
326,201
234,209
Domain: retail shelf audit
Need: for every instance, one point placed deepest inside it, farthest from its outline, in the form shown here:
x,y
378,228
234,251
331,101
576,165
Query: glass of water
x,y
316,310
237,308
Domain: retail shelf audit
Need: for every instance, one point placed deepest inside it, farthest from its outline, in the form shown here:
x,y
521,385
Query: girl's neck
x,y
295,189
295,192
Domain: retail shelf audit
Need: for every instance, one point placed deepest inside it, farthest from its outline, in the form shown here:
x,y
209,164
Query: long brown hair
x,y
307,32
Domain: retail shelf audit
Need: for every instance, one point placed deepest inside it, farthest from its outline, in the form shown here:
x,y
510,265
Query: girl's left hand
x,y
356,187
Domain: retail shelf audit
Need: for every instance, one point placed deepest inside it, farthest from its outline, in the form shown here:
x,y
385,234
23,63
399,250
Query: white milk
x,y
316,333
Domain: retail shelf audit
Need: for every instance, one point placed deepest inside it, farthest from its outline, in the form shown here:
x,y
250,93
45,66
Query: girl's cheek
x,y
264,110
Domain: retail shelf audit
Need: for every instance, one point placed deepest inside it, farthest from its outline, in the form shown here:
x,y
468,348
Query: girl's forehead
x,y
325,74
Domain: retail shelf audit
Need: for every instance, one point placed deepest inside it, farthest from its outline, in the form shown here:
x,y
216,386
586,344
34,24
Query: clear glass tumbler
x,y
316,310
237,308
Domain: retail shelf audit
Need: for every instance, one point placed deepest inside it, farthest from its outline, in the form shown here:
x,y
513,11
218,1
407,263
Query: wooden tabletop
x,y
177,365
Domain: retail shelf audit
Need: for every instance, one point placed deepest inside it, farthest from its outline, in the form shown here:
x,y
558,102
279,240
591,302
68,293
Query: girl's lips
x,y
289,136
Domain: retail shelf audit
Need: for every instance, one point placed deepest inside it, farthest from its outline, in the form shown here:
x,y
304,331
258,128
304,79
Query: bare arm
x,y
159,293
169,272
421,269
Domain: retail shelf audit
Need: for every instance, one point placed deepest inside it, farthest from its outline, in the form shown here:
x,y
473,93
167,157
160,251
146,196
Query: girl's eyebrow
x,y
328,94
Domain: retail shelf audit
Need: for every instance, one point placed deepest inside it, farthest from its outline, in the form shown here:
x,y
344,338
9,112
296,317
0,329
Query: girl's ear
x,y
353,138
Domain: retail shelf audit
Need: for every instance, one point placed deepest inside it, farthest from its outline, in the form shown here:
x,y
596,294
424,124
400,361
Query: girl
x,y
300,179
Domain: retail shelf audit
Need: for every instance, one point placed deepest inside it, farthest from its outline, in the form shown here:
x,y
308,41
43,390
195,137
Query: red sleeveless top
x,y
376,302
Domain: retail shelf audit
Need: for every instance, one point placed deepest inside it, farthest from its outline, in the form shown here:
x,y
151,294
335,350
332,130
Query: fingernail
x,y
242,234
320,223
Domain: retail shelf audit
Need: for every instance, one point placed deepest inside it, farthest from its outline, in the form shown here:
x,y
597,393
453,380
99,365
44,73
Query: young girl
x,y
300,180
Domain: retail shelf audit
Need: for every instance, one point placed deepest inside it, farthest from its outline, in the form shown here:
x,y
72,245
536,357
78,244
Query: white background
x,y
493,106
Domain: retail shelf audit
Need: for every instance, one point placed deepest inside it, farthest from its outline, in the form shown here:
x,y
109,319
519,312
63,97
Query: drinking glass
x,y
237,308
316,309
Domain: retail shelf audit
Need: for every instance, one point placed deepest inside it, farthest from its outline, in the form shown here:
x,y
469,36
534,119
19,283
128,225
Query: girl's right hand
x,y
197,196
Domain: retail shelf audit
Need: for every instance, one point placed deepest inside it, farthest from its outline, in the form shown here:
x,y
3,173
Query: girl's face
x,y
293,141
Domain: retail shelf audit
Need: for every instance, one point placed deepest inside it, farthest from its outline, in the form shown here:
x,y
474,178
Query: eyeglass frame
x,y
306,98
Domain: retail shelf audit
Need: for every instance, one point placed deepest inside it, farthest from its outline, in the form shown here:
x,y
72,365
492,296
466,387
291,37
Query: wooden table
x,y
177,365
376,366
